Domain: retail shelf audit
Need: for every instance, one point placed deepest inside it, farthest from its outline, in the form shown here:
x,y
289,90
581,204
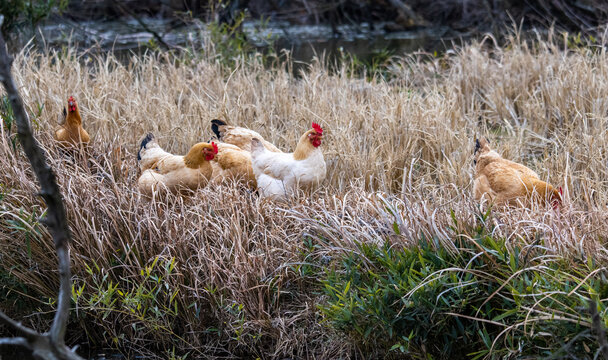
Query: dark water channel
x,y
303,41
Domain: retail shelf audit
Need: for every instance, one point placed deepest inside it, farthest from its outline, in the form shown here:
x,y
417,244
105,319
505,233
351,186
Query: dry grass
x,y
399,153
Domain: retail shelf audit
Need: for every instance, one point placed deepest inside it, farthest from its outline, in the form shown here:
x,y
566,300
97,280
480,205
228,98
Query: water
x,y
304,41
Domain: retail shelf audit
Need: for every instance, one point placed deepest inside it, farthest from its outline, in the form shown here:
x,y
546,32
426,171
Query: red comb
x,y
214,147
561,191
71,98
316,127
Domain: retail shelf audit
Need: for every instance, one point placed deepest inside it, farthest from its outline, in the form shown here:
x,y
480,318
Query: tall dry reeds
x,y
224,273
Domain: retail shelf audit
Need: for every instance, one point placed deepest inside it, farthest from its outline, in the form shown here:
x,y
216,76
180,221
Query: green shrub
x,y
230,46
7,120
490,296
21,13
140,303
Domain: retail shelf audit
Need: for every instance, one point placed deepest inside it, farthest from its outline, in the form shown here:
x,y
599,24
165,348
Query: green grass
x,y
487,299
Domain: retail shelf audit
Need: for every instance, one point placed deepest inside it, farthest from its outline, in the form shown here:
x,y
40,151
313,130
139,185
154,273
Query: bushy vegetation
x,y
486,299
20,14
391,251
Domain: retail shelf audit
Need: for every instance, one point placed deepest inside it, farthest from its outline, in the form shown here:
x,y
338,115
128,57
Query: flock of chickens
x,y
242,155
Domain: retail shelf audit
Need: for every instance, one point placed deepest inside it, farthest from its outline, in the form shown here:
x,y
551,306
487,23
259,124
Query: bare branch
x,y
18,341
146,28
22,330
50,345
599,330
406,11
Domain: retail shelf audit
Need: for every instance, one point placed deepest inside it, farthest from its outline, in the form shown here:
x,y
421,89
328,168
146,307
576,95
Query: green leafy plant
x,y
24,13
148,300
374,66
8,120
26,225
230,44
488,296
229,40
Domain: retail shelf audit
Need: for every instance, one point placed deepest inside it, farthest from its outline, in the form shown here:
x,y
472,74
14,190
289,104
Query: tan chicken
x,y
233,164
239,136
162,170
71,134
504,182
279,175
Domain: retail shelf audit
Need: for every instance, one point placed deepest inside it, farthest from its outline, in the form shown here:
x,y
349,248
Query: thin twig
x,y
145,26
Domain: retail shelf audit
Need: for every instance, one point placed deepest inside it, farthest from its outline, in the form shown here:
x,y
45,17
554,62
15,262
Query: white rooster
x,y
279,175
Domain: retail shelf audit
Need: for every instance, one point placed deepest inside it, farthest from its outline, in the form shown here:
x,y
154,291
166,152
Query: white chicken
x,y
279,175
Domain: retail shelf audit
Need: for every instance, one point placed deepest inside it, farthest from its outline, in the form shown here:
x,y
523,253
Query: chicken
x,y
238,136
232,163
70,133
281,174
504,182
161,169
